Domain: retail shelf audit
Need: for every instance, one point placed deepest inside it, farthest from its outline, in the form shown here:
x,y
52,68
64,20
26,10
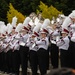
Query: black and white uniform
x,y
15,55
24,51
1,56
9,54
54,49
6,50
33,54
42,54
72,46
63,45
73,50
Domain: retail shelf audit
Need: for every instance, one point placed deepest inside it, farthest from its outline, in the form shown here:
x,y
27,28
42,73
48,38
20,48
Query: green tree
x,y
28,6
13,12
25,6
48,12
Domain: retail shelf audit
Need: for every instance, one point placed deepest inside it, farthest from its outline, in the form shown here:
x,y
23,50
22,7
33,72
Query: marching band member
x,y
72,44
15,55
73,50
33,54
63,45
54,49
69,22
2,68
1,55
33,49
13,60
24,50
1,48
10,52
9,39
5,50
4,45
42,52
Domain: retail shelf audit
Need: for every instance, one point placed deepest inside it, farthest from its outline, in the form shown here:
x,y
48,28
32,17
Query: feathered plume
x,y
26,21
45,23
14,21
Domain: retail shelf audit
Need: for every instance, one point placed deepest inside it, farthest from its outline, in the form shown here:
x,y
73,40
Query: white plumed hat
x,y
26,21
68,20
37,29
9,27
72,15
45,23
14,21
19,27
31,24
66,23
4,30
1,24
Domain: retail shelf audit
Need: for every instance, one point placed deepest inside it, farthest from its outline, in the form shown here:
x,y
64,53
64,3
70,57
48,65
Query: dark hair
x,y
61,71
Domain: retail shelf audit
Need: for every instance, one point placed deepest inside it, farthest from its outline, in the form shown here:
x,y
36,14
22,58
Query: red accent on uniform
x,y
36,33
26,28
65,30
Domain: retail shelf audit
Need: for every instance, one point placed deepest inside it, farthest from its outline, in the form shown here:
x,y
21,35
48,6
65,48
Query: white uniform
x,y
31,44
33,54
15,53
14,43
6,45
54,49
54,35
63,43
43,43
23,39
73,37
43,54
71,29
24,51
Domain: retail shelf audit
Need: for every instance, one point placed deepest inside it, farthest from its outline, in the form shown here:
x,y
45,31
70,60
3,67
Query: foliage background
x,y
28,6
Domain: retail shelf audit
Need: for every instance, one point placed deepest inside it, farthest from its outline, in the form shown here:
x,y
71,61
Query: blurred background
x,y
25,7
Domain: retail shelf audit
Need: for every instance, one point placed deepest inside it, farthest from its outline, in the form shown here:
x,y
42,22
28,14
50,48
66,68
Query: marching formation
x,y
38,41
